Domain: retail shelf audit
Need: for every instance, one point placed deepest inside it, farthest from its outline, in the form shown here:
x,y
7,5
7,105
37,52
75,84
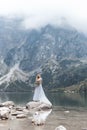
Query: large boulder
x,y
32,105
4,113
7,104
38,105
45,106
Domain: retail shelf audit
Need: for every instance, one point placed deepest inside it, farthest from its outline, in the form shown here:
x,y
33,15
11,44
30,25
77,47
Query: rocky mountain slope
x,y
58,53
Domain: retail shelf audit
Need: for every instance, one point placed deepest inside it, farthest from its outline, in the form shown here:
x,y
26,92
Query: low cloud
x,y
38,13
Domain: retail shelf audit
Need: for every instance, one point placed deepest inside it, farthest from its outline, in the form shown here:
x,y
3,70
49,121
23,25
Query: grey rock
x,y
38,105
61,127
8,104
21,116
4,113
16,113
32,105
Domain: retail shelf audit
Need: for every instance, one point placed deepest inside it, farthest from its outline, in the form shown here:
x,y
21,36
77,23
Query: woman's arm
x,y
38,81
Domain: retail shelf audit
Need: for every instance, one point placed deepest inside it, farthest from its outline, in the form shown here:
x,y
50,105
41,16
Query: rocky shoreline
x,y
8,109
30,117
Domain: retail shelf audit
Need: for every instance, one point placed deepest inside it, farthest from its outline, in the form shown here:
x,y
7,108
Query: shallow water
x,y
72,119
69,110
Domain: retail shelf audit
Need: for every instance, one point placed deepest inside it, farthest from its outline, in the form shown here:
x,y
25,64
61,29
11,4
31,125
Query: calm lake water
x,y
57,99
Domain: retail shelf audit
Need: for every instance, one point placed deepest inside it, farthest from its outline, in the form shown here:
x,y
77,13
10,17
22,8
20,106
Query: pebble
x,y
60,128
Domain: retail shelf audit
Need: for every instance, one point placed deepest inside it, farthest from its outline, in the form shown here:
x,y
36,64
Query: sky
x,y
38,13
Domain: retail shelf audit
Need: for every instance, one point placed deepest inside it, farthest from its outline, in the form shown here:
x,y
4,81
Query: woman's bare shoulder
x,y
39,79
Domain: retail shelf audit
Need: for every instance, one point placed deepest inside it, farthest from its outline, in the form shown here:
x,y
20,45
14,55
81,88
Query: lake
x,y
57,98
69,110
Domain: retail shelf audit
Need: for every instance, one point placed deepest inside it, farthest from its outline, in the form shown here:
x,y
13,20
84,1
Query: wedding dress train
x,y
39,95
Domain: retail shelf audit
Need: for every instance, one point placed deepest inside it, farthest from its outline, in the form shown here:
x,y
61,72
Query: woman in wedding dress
x,y
39,94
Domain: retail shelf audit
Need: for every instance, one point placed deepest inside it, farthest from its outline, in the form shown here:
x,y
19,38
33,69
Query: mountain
x,y
13,77
58,53
49,42
3,67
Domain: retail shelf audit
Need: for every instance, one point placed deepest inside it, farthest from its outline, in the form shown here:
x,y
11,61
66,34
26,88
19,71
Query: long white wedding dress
x,y
39,95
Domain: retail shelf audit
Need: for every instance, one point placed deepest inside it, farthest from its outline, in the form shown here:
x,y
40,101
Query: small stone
x,y
19,108
66,112
84,128
21,116
60,128
16,113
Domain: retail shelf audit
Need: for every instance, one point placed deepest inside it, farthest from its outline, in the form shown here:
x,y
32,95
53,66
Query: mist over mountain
x,y
59,53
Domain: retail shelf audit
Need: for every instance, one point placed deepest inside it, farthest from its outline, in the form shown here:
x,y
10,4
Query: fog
x,y
38,13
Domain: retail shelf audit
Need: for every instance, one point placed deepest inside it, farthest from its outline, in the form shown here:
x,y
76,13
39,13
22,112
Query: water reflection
x,y
39,117
3,97
17,98
68,99
57,99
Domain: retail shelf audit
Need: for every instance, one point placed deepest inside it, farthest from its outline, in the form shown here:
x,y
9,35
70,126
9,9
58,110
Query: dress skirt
x,y
39,95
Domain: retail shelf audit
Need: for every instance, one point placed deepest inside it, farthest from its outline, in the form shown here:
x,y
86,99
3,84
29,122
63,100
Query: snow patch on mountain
x,y
14,74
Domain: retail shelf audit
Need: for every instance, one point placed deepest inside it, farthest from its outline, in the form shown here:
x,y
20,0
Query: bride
x,y
39,94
